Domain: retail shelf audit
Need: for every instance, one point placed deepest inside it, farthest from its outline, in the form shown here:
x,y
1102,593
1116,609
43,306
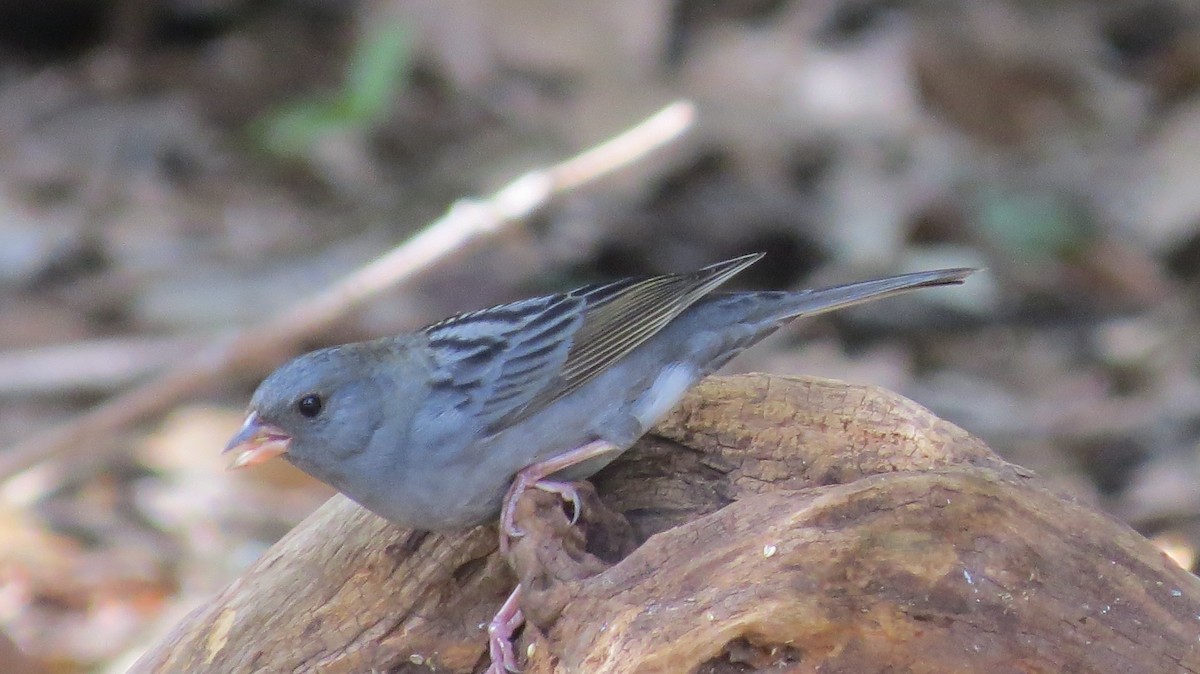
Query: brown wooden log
x,y
770,524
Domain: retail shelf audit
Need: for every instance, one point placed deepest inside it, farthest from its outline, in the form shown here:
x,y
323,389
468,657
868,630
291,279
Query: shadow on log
x,y
769,525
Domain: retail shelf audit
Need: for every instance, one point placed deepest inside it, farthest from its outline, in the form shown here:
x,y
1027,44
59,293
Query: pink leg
x,y
500,632
535,476
509,617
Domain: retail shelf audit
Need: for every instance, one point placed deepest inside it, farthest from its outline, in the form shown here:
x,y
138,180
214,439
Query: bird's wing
x,y
491,363
504,364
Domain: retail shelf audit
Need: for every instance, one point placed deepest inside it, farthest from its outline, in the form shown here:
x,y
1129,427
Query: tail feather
x,y
750,316
821,300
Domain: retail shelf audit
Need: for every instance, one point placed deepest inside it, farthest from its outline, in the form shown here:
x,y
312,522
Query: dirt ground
x,y
171,170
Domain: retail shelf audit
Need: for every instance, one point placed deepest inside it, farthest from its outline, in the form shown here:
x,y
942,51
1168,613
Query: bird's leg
x,y
500,631
535,476
509,617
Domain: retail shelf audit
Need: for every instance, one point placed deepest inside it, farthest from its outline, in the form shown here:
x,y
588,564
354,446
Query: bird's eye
x,y
310,405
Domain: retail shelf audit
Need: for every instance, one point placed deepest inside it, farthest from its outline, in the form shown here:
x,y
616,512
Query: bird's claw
x,y
500,631
508,532
508,526
500,649
567,491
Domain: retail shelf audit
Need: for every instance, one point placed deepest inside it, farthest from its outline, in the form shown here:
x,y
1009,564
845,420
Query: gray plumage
x,y
427,429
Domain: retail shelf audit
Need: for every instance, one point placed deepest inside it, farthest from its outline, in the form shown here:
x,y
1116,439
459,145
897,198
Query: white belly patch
x,y
667,390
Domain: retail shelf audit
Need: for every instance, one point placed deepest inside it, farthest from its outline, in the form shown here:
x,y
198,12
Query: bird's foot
x,y
509,529
509,617
535,476
500,631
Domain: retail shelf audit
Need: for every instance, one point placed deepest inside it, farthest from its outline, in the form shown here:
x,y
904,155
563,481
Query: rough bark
x,y
770,524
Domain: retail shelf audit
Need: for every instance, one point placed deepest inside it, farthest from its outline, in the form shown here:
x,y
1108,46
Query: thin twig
x,y
90,365
465,223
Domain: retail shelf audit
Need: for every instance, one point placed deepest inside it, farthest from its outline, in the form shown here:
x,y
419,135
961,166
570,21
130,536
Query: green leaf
x,y
378,69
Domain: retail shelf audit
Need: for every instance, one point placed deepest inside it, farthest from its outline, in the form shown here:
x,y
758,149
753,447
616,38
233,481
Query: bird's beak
x,y
256,442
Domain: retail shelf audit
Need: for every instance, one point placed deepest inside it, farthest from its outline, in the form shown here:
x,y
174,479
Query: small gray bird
x,y
444,428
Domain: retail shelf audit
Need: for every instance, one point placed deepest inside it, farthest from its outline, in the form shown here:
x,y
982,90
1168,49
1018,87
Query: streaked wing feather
x,y
622,315
506,363
493,362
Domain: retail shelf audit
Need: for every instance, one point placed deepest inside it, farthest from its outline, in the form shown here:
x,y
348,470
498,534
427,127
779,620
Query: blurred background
x,y
171,169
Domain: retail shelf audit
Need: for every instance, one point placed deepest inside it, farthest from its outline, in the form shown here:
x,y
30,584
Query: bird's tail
x,y
773,308
820,300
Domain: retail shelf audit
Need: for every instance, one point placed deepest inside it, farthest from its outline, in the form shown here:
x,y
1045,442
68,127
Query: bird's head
x,y
316,410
